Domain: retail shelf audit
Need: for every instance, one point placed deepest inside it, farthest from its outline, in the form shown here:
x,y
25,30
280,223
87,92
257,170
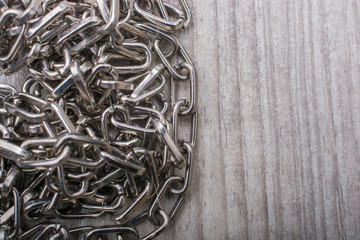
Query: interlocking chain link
x,y
97,128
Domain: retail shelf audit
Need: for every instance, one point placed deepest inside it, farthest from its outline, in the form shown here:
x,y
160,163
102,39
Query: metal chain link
x,y
97,127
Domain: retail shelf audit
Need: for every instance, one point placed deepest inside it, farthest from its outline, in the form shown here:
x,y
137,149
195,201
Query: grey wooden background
x,y
278,154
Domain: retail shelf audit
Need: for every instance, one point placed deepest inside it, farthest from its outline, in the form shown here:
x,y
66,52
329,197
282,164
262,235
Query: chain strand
x,y
97,127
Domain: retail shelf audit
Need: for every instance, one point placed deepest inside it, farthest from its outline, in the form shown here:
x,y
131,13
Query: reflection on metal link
x,y
101,125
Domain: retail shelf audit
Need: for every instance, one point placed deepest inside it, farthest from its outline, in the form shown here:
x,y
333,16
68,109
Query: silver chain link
x,y
98,127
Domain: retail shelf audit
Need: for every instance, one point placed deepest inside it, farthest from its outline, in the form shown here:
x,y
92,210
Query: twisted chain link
x,y
98,127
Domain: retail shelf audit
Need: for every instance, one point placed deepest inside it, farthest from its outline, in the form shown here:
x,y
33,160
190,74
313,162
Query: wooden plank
x,y
278,154
285,78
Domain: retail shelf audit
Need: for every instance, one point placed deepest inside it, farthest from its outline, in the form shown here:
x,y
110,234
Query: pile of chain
x,y
95,130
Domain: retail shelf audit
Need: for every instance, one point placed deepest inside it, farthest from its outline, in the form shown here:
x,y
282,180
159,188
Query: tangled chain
x,y
95,130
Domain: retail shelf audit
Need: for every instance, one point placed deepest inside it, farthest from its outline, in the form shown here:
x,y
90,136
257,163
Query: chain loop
x,y
94,130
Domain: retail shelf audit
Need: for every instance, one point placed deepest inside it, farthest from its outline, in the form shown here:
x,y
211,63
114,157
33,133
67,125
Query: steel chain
x,y
95,129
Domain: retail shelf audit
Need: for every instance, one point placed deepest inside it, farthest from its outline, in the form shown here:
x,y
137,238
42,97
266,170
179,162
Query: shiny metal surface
x,y
94,130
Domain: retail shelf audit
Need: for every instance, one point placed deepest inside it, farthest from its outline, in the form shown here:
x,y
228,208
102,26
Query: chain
x,y
97,127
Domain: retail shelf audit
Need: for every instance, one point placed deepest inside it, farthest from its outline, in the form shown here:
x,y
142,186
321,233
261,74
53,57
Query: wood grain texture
x,y
278,154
